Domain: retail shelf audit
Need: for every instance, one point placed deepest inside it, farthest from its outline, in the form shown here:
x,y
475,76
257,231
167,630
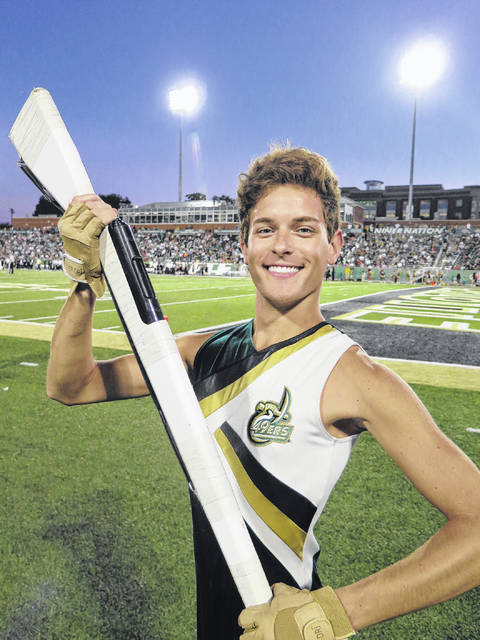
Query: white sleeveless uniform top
x,y
264,412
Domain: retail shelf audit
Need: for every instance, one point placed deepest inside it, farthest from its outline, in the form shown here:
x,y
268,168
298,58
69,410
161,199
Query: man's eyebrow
x,y
262,220
307,219
269,220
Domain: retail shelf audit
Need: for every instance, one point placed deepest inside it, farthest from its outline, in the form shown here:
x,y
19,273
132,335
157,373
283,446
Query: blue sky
x,y
322,74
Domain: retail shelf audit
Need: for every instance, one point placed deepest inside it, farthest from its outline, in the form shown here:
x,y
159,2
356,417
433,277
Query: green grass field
x,y
95,532
189,302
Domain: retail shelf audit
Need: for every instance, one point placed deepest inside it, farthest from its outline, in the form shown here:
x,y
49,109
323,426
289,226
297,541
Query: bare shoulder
x,y
358,370
363,392
188,345
358,386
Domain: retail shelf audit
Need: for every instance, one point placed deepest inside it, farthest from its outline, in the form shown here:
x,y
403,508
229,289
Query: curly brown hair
x,y
283,165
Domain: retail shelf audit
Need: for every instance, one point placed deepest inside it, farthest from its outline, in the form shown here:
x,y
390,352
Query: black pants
x,y
218,601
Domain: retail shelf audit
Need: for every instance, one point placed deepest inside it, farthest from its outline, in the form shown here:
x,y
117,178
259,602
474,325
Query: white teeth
x,y
279,269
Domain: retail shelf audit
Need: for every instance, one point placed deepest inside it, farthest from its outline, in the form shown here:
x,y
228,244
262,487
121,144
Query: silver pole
x,y
412,158
180,160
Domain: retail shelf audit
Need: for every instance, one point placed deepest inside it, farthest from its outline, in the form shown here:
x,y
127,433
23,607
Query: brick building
x,y
430,201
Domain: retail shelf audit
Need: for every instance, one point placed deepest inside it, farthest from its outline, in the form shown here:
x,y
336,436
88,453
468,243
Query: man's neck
x,y
272,326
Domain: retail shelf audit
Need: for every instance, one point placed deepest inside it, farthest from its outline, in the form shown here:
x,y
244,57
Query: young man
x,y
286,396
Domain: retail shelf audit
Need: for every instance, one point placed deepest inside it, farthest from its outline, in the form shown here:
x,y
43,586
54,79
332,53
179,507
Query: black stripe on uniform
x,y
293,504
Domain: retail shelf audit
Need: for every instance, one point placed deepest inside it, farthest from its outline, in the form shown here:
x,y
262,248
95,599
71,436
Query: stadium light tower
x,y
184,100
419,69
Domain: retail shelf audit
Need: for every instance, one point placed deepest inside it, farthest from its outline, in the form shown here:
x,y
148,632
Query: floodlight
x,y
184,100
423,64
419,69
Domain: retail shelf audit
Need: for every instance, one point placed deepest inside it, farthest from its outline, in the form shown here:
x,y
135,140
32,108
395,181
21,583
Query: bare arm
x,y
449,563
73,375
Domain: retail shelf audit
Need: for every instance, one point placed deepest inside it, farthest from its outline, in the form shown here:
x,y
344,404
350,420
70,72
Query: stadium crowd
x,y
163,251
31,249
449,248
174,251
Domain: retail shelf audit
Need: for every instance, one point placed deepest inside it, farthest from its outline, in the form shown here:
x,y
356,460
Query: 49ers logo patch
x,y
270,421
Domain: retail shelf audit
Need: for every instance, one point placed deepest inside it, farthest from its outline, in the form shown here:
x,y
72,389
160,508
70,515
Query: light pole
x,y
419,69
184,100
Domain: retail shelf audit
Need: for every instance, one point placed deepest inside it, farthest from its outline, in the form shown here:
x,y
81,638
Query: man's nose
x,y
282,242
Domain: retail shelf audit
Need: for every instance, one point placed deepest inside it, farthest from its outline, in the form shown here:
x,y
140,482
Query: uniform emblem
x,y
270,421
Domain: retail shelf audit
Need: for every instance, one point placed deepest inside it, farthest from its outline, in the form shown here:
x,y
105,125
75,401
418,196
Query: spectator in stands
x,y
167,251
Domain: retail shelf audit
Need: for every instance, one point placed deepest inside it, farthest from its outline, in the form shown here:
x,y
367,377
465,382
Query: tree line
x,y
46,208
201,196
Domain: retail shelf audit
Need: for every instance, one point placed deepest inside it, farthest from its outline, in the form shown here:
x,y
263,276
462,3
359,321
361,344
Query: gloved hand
x,y
297,615
80,230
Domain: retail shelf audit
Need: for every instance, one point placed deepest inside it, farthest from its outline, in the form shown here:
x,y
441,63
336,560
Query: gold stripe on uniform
x,y
220,398
279,523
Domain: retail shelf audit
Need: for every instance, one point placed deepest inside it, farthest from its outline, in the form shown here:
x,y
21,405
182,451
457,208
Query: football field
x,y
95,532
441,308
34,298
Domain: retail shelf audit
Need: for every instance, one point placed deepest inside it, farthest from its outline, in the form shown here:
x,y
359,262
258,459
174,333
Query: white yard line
x,y
32,301
353,318
97,311
160,292
35,287
441,364
39,318
215,327
394,309
164,304
367,295
107,330
242,295
407,304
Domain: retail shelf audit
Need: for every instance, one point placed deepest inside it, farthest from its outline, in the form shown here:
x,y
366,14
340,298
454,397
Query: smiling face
x,y
288,249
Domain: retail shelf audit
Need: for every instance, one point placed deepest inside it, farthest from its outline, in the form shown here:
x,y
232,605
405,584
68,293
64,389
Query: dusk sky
x,y
321,74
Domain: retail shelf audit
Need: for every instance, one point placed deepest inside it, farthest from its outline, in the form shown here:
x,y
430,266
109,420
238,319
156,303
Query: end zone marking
x,y
396,320
456,326
360,316
426,309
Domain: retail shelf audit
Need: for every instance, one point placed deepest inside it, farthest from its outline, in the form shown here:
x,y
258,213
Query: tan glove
x,y
297,615
80,229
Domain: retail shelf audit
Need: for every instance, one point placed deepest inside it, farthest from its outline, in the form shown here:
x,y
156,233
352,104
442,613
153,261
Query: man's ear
x,y
243,248
335,246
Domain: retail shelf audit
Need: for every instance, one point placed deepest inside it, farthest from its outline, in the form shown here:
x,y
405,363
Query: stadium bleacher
x,y
372,255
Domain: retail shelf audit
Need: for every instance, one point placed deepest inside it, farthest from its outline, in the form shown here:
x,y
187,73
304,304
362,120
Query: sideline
x,y
34,331
436,374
